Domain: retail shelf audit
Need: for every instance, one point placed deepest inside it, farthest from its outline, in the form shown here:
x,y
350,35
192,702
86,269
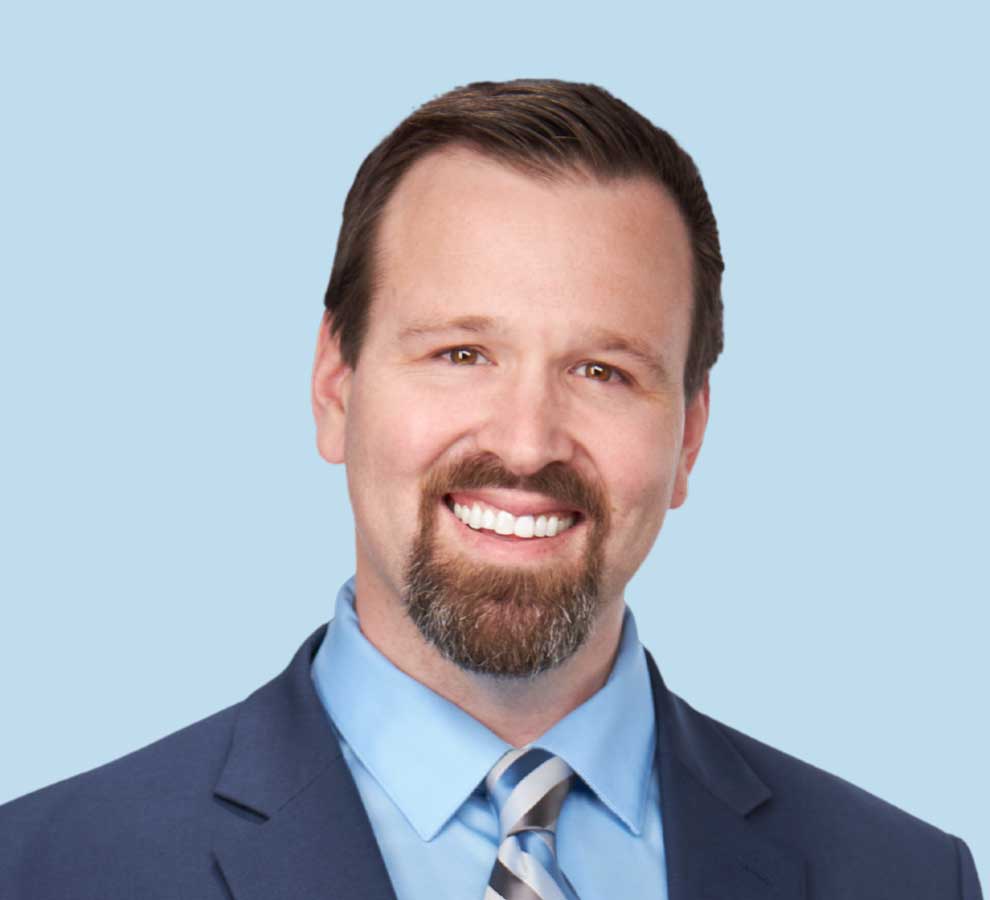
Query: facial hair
x,y
513,622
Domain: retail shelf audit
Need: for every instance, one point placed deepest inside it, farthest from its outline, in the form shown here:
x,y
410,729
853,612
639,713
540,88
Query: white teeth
x,y
504,523
524,527
501,522
476,516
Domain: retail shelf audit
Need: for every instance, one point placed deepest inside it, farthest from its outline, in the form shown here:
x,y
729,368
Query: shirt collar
x,y
610,739
429,755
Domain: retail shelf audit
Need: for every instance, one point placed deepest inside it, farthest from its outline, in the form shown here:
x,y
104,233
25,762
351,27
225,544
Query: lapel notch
x,y
709,793
306,833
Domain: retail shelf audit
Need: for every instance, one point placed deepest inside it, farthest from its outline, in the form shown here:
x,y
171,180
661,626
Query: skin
x,y
542,270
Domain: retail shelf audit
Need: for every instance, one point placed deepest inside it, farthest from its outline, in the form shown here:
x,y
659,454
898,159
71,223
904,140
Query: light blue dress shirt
x,y
419,763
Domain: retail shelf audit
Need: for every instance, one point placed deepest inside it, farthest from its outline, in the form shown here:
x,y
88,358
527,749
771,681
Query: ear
x,y
330,393
695,421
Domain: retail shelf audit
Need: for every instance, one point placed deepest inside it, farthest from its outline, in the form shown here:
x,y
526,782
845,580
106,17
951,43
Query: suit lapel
x,y
296,828
708,794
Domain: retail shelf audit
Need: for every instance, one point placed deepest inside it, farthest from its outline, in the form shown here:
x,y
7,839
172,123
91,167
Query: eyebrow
x,y
474,324
616,342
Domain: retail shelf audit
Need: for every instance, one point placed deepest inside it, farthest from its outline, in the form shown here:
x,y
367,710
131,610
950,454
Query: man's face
x,y
522,369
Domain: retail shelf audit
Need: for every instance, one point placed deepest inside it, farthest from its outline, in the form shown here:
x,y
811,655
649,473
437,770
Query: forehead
x,y
465,235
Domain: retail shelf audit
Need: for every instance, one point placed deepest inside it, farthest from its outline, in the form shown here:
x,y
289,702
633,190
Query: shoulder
x,y
145,825
154,804
801,788
847,834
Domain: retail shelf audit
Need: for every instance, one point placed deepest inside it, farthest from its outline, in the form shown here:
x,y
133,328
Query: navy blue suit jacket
x,y
257,803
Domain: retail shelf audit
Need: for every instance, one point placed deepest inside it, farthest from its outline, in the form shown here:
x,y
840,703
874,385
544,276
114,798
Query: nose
x,y
526,424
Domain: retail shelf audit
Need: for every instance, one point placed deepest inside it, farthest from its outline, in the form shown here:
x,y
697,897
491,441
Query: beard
x,y
496,619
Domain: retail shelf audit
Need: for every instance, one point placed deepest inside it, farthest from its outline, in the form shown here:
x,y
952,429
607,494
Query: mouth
x,y
533,522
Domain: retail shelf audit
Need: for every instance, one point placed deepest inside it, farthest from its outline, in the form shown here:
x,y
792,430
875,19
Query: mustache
x,y
556,480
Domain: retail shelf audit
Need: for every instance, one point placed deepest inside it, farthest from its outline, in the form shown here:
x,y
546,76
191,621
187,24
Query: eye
x,y
463,356
599,371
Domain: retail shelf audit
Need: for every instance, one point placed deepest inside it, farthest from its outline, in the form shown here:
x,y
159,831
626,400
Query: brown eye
x,y
597,371
464,356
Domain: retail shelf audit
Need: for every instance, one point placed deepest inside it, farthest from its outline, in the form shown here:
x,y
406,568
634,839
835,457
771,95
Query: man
x,y
513,366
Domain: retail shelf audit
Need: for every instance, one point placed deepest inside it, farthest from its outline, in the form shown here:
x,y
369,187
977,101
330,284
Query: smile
x,y
484,517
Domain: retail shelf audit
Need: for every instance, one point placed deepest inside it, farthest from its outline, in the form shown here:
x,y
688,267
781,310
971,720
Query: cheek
x,y
640,478
641,490
395,436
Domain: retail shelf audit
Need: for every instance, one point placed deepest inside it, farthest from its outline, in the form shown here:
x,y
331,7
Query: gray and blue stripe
x,y
528,787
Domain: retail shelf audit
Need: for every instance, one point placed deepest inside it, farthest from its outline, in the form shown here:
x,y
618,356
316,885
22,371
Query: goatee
x,y
496,619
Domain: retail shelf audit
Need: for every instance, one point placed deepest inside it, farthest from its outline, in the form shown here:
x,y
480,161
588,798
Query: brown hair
x,y
545,128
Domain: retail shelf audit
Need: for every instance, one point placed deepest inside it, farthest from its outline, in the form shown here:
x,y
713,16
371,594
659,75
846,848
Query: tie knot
x,y
528,787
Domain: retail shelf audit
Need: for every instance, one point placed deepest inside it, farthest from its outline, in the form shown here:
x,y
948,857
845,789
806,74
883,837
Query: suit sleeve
x,y
969,883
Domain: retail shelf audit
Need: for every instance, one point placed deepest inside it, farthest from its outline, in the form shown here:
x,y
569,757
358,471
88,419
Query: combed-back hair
x,y
546,128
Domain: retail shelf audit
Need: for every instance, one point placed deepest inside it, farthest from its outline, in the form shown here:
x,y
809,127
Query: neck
x,y
518,710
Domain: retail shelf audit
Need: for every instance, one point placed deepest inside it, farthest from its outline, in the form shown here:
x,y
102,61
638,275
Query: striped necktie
x,y
528,787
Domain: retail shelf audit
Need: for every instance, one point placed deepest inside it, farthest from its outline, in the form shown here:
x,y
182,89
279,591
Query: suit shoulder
x,y
818,790
817,808
838,825
172,759
158,789
144,825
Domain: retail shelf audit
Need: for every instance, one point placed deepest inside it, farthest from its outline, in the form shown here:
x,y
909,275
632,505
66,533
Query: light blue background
x,y
173,176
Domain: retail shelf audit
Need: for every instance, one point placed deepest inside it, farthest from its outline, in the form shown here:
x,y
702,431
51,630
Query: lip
x,y
509,547
519,503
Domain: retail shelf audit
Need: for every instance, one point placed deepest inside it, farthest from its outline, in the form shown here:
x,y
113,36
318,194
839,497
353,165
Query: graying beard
x,y
447,626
